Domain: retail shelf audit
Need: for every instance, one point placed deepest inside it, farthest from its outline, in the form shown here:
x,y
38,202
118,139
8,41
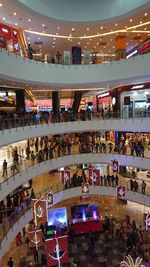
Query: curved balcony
x,y
61,195
23,128
17,68
32,170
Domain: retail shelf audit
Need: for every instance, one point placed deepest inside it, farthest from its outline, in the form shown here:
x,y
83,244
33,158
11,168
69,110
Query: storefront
x,y
9,38
104,100
134,102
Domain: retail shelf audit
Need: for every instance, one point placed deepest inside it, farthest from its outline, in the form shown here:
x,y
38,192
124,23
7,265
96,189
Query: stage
x,y
84,227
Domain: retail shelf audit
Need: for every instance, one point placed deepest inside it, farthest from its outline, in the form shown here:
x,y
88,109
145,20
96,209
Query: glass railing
x,y
76,150
12,217
29,120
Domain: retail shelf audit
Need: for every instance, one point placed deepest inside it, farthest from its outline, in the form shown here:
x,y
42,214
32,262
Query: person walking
x,y
4,167
10,263
143,185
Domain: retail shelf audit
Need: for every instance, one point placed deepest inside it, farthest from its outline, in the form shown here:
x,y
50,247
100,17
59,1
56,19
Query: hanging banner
x,y
67,58
120,190
94,176
65,177
86,56
85,188
57,251
115,165
49,199
147,220
39,211
36,238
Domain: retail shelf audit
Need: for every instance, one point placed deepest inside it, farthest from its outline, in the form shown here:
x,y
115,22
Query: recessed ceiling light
x,y
140,22
87,29
4,18
87,43
53,43
97,43
16,23
29,20
131,20
90,39
84,35
101,27
111,30
116,24
30,29
85,46
43,25
15,13
111,40
145,29
113,47
73,29
56,33
97,32
1,4
78,43
58,27
145,14
39,38
54,38
69,34
43,31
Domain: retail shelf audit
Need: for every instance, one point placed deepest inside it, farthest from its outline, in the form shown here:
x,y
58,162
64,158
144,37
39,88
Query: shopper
x,y
10,263
4,167
143,185
30,51
35,254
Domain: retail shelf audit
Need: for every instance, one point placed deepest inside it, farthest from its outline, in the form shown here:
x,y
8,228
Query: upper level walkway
x,y
59,195
20,69
31,170
27,127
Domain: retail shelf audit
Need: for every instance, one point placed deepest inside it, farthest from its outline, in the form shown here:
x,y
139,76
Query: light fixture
x,y
39,38
101,27
87,43
15,13
73,29
1,4
43,25
54,38
97,43
137,86
16,23
145,29
70,34
53,43
87,29
58,27
140,22
30,29
131,20
4,18
56,33
116,24
29,20
145,14
78,43
97,32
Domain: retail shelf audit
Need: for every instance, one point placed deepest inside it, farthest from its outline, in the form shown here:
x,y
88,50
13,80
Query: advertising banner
x,y
36,238
57,251
66,177
147,220
85,188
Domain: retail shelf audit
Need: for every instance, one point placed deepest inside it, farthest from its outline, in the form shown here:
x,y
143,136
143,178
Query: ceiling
x,y
98,36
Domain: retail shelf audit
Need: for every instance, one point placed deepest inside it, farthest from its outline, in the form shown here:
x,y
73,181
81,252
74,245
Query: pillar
x,y
120,47
55,102
20,100
76,101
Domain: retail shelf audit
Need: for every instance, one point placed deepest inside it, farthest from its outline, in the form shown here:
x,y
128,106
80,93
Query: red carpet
x,y
86,227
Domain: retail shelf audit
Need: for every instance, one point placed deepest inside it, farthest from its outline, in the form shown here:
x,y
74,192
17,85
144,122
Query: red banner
x,y
36,238
57,251
147,220
39,211
94,176
66,177
115,165
49,199
120,190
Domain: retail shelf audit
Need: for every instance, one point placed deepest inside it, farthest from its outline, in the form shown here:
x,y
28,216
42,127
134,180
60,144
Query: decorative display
x,y
84,212
94,176
115,165
57,251
147,220
120,191
35,238
128,262
57,217
85,188
49,199
39,211
65,176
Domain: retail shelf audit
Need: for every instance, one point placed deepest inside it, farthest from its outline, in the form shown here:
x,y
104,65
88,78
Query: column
x,y
76,101
20,100
120,47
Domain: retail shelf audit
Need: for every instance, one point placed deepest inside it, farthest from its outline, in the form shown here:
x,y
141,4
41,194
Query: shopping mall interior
x,y
75,133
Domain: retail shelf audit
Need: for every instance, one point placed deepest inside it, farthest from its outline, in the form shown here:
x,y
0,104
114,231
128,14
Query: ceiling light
x,y
53,43
101,27
70,34
4,19
111,40
73,29
39,38
54,38
43,25
87,43
29,20
78,43
97,32
30,29
97,43
87,29
140,22
85,46
16,23
116,24
56,33
145,14
94,47
130,20
137,86
15,13
58,28
43,31
1,4
90,39
145,29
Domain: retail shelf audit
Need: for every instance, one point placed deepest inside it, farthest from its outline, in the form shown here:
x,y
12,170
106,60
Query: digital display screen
x,y
57,217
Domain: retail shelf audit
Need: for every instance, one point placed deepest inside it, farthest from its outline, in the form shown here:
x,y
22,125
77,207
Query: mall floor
x,y
112,253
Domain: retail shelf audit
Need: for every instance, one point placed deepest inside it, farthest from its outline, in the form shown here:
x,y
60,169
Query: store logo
x,y
39,212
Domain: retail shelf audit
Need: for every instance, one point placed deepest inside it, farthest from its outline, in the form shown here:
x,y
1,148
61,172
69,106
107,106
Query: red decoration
x,y
85,188
36,238
120,191
39,211
65,176
94,176
115,165
57,250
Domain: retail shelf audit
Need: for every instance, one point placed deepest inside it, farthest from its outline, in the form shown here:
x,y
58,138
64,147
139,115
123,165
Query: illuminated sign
x,y
104,95
4,30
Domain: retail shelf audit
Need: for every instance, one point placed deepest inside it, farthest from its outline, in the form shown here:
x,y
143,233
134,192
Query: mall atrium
x,y
75,133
